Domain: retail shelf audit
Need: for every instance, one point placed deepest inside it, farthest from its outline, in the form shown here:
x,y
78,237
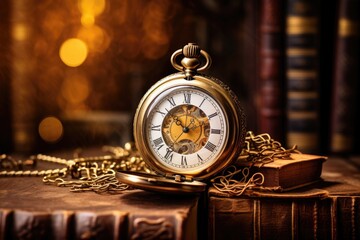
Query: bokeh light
x,y
50,129
75,89
87,20
89,10
19,32
73,52
96,38
94,7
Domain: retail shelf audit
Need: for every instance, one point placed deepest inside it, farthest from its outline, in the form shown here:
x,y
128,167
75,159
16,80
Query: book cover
x,y
346,77
270,63
287,174
302,76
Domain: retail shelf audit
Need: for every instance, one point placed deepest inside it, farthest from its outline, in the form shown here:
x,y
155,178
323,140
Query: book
x,y
261,217
29,209
287,174
310,218
302,75
346,76
271,74
23,92
327,210
246,64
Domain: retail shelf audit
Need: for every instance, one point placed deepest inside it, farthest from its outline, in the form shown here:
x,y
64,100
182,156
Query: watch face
x,y
186,128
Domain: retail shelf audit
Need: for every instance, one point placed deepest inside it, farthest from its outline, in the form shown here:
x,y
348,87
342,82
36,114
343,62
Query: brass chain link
x,y
262,148
97,173
258,149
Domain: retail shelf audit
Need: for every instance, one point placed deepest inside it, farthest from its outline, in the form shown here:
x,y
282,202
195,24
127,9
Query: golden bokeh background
x,y
77,69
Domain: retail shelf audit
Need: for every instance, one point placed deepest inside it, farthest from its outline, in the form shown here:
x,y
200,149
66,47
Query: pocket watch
x,y
187,127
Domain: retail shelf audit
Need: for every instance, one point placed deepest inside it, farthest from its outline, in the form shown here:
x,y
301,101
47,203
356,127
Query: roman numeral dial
x,y
186,129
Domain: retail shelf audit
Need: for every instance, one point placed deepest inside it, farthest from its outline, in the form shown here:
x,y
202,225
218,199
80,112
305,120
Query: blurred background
x,y
73,71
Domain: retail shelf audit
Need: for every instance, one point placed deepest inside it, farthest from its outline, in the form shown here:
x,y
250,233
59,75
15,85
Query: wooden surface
x,y
30,209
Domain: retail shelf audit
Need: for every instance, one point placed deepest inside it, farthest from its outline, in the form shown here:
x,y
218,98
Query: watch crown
x,y
190,64
191,50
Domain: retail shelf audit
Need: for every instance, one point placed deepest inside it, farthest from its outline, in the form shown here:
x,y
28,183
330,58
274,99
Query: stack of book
x,y
327,209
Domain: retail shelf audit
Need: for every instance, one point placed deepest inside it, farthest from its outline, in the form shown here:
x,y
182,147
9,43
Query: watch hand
x,y
195,127
192,120
185,130
178,137
178,122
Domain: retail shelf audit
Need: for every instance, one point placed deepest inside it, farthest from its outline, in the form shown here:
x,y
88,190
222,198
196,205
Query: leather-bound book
x,y
271,74
326,210
302,76
286,174
272,216
346,77
23,92
29,209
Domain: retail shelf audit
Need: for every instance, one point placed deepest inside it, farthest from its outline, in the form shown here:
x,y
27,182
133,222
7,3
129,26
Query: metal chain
x,y
262,148
225,182
34,173
259,149
96,173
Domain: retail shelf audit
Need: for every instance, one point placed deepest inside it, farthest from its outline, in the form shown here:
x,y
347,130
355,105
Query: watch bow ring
x,y
191,52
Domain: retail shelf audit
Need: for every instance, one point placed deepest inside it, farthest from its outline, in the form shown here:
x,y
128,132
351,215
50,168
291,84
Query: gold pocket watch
x,y
187,127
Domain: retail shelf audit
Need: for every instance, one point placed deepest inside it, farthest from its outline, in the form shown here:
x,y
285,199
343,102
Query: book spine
x,y
159,227
22,87
90,225
348,217
232,218
21,224
346,77
271,79
313,219
245,84
335,217
302,75
275,219
255,218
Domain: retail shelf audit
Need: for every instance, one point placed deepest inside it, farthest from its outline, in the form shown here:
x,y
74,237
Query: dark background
x,y
129,47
